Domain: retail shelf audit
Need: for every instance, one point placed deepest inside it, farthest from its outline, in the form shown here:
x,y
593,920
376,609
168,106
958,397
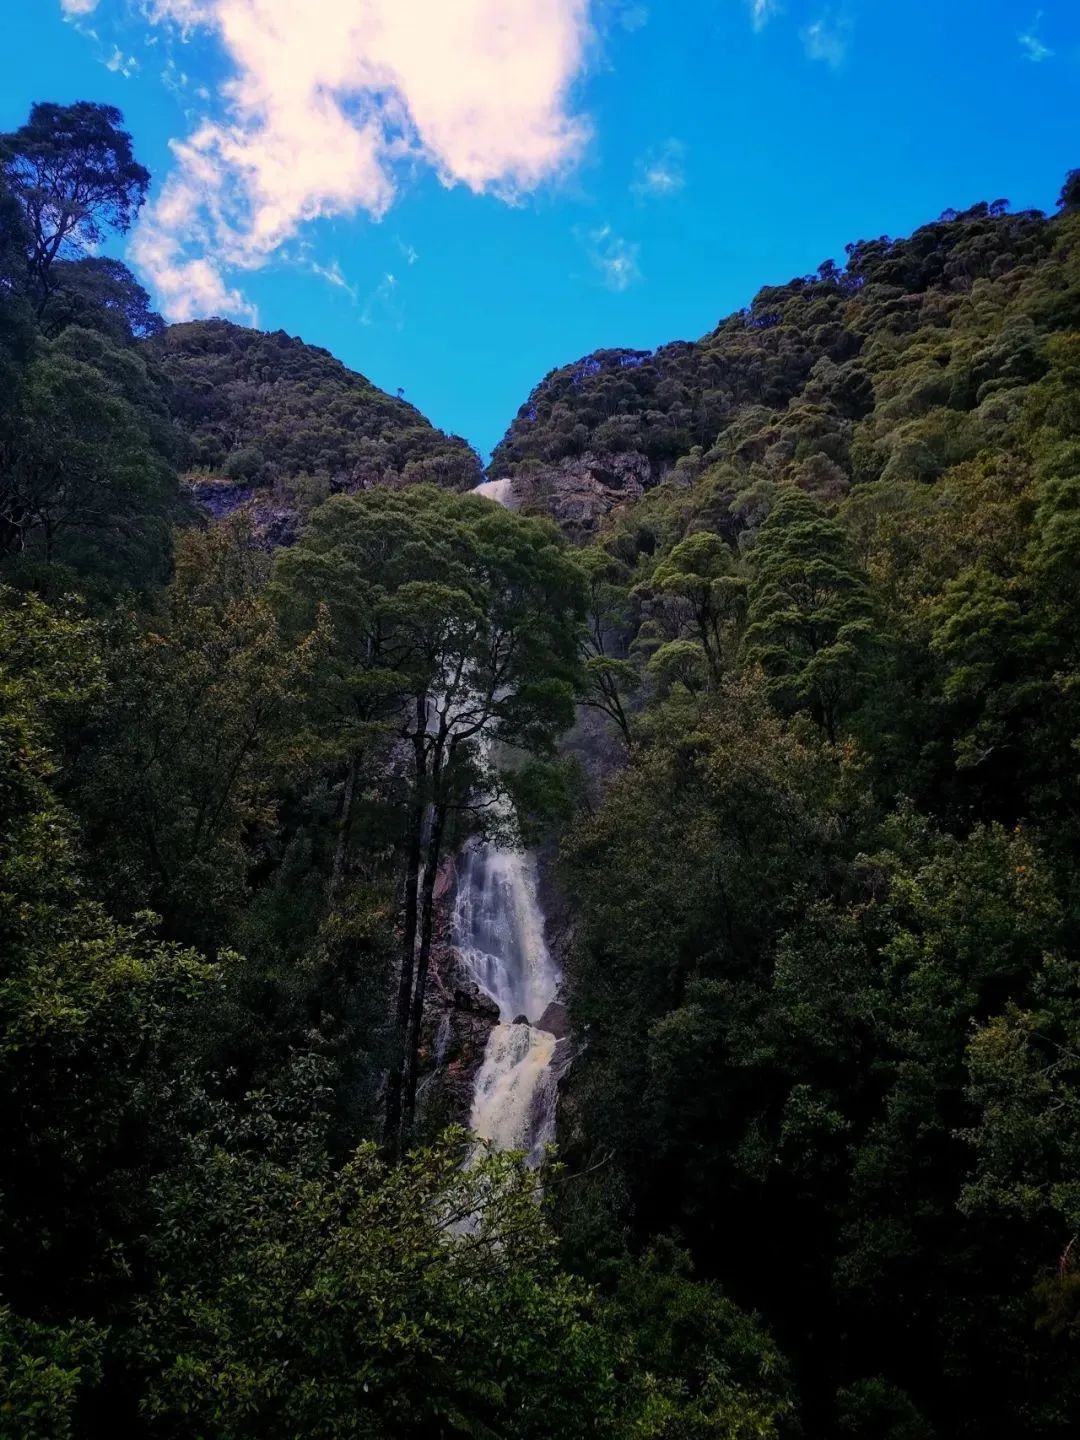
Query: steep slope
x,y
825,915
264,412
835,377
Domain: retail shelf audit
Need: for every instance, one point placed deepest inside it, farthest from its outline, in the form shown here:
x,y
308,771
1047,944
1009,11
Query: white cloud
x,y
615,259
762,11
409,252
326,102
1032,46
659,172
78,7
827,40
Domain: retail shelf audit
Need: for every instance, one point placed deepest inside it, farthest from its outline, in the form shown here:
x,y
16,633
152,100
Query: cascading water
x,y
501,491
499,932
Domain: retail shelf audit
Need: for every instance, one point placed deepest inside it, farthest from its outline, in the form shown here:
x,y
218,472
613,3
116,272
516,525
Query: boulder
x,y
554,1020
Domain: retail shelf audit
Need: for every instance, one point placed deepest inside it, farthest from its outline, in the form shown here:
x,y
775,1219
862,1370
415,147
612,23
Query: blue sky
x,y
454,196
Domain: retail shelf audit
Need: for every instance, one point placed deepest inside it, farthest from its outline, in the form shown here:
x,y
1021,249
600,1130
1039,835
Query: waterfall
x,y
498,928
501,491
514,1102
499,932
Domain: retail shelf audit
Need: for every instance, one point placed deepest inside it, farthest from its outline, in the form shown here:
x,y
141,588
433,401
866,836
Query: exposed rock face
x,y
579,492
274,516
472,1015
458,1019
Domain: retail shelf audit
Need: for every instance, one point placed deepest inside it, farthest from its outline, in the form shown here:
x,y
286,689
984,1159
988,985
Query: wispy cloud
x,y
121,64
78,7
383,304
615,259
333,275
762,11
828,39
659,172
324,106
173,78
1032,46
410,254
633,16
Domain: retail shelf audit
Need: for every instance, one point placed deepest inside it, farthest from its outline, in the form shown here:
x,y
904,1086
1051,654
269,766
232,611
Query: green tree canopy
x,y
809,616
74,173
455,626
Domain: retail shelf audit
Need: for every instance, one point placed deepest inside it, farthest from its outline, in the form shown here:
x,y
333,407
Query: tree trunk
x,y
423,959
396,1075
341,850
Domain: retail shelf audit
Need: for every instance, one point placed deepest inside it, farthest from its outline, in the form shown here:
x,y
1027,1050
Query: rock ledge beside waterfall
x,y
580,491
458,1020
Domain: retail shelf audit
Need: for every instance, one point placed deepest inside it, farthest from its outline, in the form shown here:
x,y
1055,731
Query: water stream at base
x,y
498,928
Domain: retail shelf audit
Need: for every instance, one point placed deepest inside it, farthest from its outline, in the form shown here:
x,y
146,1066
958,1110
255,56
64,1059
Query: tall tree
x,y
809,612
83,480
697,594
456,627
220,697
610,679
73,170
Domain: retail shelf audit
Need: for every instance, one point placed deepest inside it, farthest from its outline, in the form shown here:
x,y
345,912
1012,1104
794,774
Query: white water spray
x,y
514,1101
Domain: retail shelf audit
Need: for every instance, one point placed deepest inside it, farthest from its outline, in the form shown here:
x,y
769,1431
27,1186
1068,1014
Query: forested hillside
x,y
104,410
818,1170
265,408
843,376
229,782
826,914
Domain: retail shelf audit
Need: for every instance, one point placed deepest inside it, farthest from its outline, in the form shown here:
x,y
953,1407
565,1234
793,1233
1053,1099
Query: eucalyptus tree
x,y
455,626
698,597
74,173
610,679
220,696
810,613
85,480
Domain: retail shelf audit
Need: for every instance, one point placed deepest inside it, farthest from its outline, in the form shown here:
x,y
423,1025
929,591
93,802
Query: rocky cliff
x,y
580,491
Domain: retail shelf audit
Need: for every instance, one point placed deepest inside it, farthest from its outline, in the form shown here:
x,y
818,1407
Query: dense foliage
x,y
820,1168
786,381
827,913
262,408
227,781
103,408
